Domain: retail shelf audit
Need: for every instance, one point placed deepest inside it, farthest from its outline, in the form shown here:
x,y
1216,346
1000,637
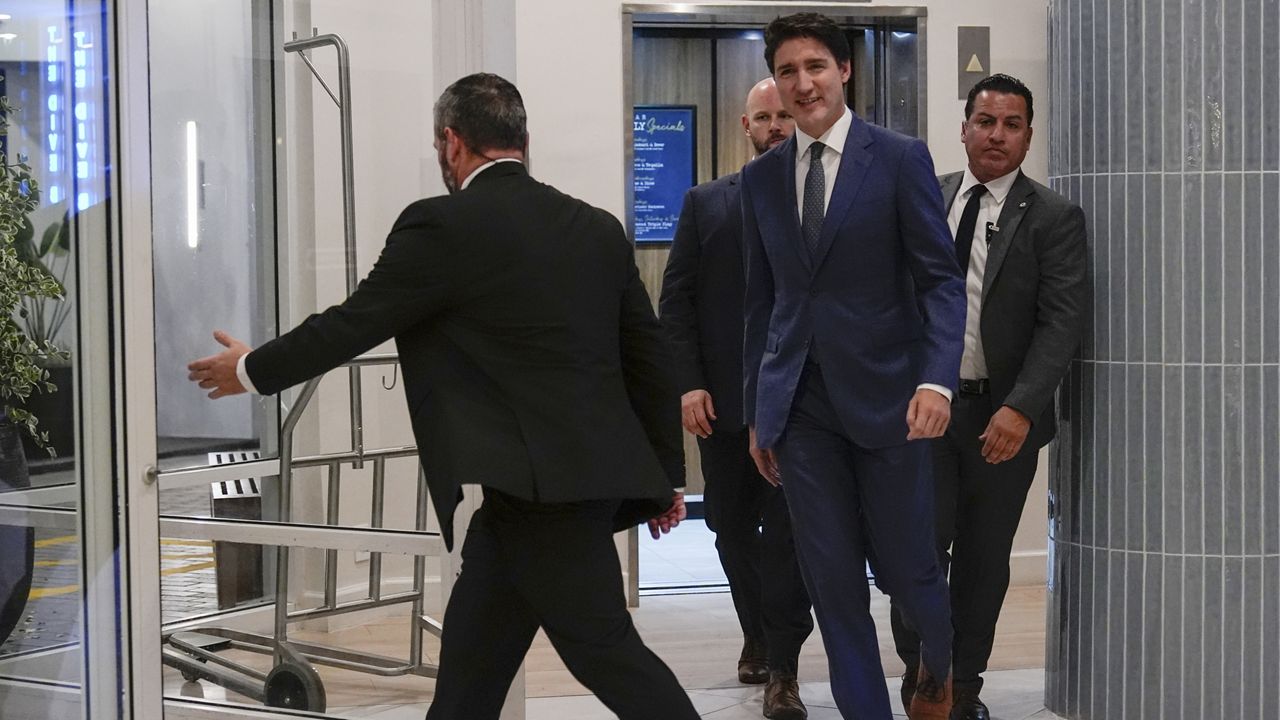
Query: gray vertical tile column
x,y
1164,577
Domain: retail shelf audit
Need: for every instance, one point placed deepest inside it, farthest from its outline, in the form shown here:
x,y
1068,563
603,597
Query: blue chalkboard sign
x,y
664,141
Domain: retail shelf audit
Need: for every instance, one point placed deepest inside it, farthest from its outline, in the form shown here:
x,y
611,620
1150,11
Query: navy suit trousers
x,y
849,503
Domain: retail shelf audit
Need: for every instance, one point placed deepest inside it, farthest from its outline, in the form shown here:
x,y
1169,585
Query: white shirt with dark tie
x,y
973,364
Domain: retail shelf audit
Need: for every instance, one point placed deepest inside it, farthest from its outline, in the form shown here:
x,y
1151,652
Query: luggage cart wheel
x,y
294,686
190,676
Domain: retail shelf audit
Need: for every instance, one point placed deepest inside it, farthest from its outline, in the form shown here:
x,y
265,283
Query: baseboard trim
x,y
1028,568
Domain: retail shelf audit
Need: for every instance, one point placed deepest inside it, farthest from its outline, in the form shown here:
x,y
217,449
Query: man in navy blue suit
x,y
855,312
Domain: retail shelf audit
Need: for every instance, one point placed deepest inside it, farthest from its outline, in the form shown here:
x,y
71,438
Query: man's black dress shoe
x,y
968,707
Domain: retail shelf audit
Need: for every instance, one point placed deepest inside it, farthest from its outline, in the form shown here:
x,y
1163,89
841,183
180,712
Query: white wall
x,y
569,56
392,91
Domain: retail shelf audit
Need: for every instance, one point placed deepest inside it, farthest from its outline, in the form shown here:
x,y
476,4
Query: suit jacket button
x,y
813,292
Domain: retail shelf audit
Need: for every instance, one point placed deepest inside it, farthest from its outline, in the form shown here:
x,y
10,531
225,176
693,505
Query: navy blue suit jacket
x,y
701,301
881,306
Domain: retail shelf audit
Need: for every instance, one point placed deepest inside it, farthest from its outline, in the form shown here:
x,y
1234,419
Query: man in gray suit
x,y
1024,246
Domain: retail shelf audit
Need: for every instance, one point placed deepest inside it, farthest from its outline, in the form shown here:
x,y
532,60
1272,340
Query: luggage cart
x,y
293,681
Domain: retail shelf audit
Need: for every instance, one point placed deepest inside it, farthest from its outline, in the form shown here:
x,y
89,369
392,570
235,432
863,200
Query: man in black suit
x,y
1024,246
533,366
702,313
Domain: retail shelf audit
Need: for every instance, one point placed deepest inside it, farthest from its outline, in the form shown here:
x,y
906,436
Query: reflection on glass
x,y
862,89
212,216
902,71
53,73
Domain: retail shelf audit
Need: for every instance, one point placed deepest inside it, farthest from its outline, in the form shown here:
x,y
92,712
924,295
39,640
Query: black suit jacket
x,y
702,297
1033,299
533,363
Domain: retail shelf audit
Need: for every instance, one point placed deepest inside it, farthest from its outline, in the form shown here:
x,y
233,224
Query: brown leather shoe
x,y
753,666
782,698
932,700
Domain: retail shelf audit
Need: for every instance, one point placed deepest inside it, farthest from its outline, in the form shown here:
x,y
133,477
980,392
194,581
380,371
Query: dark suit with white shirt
x,y
533,366
1026,297
701,311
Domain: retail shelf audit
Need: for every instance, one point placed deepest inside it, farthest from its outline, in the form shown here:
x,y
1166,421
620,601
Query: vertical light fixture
x,y
193,187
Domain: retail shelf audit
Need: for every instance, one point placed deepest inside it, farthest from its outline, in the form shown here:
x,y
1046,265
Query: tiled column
x,y
1165,484
1164,577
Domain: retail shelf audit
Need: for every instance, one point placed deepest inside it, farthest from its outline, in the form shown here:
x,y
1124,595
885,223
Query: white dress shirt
x,y
243,374
973,364
834,139
484,167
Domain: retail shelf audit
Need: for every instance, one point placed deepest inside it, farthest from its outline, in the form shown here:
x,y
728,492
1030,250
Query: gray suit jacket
x,y
1033,299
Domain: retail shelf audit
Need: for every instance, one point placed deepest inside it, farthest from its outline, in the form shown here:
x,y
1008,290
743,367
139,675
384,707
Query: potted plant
x,y
31,307
22,370
42,318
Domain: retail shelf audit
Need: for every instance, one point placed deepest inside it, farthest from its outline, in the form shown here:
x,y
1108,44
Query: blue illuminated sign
x,y
666,154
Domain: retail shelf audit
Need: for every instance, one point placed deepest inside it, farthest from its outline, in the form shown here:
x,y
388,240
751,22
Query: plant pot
x,y
56,411
16,561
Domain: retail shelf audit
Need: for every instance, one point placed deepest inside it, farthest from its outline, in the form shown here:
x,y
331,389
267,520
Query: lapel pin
x,y
1023,204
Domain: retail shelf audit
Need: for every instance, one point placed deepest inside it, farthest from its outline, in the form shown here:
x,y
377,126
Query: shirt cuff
x,y
243,375
944,392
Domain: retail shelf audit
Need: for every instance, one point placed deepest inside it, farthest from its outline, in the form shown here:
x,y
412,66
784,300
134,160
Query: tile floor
x,y
695,633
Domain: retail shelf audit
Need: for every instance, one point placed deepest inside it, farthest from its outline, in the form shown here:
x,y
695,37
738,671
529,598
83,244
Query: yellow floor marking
x,y
38,593
56,563
63,540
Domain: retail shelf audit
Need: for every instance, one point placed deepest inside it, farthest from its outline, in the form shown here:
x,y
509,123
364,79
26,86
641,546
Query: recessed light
x,y
5,17
8,36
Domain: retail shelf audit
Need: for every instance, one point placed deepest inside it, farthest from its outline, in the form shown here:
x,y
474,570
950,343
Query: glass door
x,y
299,568
70,476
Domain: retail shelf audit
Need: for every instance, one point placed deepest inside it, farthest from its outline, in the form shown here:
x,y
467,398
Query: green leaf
x,y
49,238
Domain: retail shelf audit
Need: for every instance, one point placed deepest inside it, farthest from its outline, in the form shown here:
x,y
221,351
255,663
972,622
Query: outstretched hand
x,y
218,372
662,524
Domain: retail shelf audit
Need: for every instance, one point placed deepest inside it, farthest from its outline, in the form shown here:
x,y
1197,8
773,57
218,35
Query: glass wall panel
x,y
249,236
213,251
54,78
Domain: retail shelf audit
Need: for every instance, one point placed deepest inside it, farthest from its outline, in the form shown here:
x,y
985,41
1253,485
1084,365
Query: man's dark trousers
x,y
840,493
552,565
979,506
753,537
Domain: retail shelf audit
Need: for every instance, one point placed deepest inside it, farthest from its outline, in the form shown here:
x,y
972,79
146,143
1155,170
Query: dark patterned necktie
x,y
815,191
968,224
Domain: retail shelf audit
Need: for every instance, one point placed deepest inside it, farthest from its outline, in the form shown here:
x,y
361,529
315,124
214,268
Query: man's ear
x,y
453,145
